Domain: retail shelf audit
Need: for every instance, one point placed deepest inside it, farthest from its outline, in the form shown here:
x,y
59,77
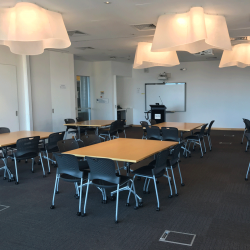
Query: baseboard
x,y
229,129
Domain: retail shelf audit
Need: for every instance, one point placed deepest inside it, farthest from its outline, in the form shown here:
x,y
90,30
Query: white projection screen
x,y
173,95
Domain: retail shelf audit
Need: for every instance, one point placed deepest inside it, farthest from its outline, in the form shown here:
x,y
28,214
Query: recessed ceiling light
x,y
107,2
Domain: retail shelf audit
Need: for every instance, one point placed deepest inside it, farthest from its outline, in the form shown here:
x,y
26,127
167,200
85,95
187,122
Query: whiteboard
x,y
173,95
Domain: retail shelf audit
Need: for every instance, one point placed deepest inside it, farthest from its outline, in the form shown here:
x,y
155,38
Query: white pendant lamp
x,y
28,29
144,58
193,31
239,56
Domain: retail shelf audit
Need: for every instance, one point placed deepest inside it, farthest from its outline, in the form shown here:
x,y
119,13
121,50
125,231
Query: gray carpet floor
x,y
214,205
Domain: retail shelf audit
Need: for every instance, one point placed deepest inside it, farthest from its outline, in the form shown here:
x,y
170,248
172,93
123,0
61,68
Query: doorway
x,y
83,97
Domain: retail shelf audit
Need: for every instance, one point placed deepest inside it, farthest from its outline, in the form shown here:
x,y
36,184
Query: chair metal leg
x,y
41,159
176,193
16,170
80,199
118,168
117,203
180,175
32,167
157,197
148,186
124,133
208,139
247,172
48,160
86,197
145,184
243,136
205,150
201,148
169,183
55,187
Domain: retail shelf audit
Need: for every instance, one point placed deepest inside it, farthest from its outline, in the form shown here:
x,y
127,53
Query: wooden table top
x,y
8,139
91,123
123,149
182,126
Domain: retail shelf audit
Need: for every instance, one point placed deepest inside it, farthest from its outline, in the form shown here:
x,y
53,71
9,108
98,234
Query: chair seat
x,y
147,170
50,150
172,163
69,178
197,133
106,184
25,156
193,137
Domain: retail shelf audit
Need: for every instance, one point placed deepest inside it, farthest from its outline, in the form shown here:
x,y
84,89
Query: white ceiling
x,y
108,26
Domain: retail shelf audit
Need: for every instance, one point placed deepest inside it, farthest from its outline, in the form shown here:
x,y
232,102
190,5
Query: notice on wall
x,y
157,116
102,100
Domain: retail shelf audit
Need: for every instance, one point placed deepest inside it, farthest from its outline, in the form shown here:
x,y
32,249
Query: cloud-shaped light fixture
x,y
28,29
144,58
193,31
239,56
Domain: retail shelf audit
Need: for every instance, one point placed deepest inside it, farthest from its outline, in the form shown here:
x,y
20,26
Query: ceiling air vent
x,y
84,48
208,52
240,39
76,33
144,27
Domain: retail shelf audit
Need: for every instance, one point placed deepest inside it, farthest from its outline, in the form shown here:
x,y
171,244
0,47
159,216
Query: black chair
x,y
170,134
207,134
90,139
68,170
4,150
173,162
247,171
144,127
153,133
247,134
71,144
154,170
83,129
152,122
196,139
102,175
111,132
247,128
27,148
51,147
70,129
121,127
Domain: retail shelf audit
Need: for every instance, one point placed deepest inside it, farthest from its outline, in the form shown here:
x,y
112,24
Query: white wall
x,y
102,79
49,71
211,93
41,92
6,57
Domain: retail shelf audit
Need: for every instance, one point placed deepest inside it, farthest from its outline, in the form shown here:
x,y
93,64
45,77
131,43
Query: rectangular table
x,y
8,139
91,123
182,126
123,149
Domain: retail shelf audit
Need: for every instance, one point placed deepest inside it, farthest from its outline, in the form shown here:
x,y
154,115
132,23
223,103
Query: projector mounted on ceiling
x,y
208,52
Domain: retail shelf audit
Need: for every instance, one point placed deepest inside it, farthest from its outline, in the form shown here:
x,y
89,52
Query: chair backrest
x,y
79,119
67,145
144,125
53,139
68,121
27,145
247,124
175,154
68,164
201,134
160,163
102,169
113,127
152,121
209,127
4,130
170,134
90,139
120,124
153,133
